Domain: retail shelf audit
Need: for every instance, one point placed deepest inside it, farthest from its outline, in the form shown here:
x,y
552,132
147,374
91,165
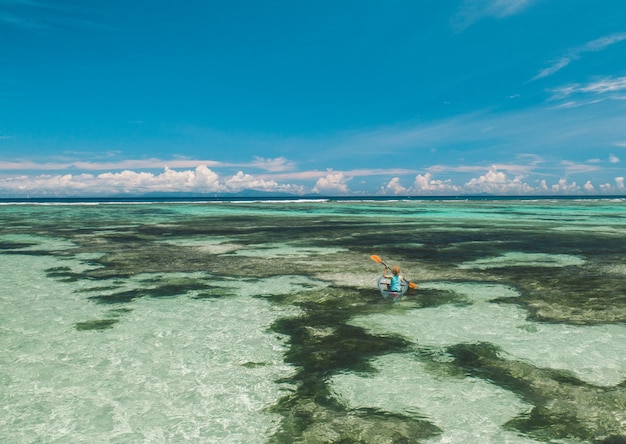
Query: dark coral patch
x,y
99,324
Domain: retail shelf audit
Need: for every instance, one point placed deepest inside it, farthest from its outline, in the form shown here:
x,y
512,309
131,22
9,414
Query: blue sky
x,y
341,97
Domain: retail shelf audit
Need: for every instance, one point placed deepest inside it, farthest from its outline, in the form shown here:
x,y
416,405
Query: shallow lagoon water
x,y
260,322
595,354
466,409
202,372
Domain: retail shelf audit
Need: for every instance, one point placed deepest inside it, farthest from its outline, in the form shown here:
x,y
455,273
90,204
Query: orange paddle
x,y
380,261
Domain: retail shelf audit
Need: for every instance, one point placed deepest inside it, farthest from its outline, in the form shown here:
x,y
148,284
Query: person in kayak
x,y
395,279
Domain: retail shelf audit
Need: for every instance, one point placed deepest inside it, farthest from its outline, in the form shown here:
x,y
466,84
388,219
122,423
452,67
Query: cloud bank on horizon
x,y
379,98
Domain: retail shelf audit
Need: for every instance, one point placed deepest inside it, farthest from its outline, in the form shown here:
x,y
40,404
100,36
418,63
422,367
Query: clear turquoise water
x,y
261,322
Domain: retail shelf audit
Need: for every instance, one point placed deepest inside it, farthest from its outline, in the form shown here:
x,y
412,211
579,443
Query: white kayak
x,y
383,287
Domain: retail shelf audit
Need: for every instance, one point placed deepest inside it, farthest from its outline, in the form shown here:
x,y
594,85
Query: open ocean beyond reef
x,y
260,322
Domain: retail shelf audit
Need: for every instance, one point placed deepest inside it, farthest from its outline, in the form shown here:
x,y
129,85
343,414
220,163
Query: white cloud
x,y
332,183
566,105
588,187
30,165
605,85
505,8
564,187
126,181
606,187
613,158
71,183
394,187
425,184
601,43
492,177
552,133
241,181
575,167
128,164
316,174
207,178
474,10
602,86
556,66
29,14
575,54
500,179
511,168
496,182
202,179
273,165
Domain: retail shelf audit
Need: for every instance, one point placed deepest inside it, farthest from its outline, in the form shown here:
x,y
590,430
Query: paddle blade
x,y
412,285
376,258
